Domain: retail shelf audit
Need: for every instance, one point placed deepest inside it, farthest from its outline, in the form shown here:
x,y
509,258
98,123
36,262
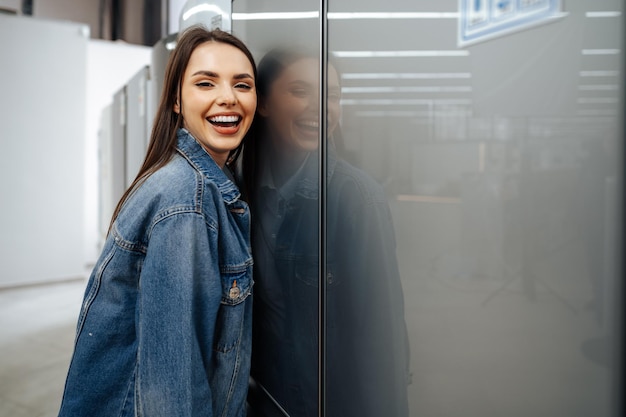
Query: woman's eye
x,y
243,86
204,84
299,92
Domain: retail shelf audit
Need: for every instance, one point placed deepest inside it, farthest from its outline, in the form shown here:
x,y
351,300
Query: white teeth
x,y
309,123
224,119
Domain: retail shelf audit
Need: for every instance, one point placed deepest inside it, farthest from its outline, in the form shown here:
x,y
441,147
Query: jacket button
x,y
234,291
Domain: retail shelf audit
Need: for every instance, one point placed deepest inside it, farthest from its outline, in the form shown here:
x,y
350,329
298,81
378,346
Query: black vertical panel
x,y
27,7
323,152
117,20
102,10
153,18
620,293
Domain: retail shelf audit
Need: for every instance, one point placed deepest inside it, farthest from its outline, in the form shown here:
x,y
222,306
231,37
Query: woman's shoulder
x,y
168,191
180,183
352,180
176,178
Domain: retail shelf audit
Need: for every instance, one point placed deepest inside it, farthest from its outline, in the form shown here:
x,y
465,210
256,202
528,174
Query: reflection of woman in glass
x,y
165,327
367,349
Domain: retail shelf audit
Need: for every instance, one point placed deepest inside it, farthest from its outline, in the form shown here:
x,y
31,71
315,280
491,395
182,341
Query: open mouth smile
x,y
310,125
224,121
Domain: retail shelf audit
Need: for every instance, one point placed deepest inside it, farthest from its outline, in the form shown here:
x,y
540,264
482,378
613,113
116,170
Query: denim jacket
x,y
366,339
165,325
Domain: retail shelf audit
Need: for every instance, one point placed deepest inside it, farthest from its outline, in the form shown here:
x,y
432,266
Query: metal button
x,y
234,291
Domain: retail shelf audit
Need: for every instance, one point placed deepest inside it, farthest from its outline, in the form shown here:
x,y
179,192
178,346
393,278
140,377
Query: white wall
x,y
42,126
55,83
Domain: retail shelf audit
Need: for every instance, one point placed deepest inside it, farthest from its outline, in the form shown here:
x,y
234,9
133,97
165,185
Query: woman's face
x,y
218,98
292,105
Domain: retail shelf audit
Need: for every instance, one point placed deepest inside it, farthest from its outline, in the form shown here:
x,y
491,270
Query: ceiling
x,y
566,72
569,68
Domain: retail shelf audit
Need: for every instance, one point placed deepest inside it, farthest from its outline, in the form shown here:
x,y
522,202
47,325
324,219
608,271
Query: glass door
x,y
494,129
281,167
454,219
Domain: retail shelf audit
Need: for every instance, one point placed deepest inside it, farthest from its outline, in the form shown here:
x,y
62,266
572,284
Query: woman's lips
x,y
225,124
223,120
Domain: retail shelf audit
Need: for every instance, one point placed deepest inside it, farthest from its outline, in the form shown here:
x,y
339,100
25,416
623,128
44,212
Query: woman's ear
x,y
176,107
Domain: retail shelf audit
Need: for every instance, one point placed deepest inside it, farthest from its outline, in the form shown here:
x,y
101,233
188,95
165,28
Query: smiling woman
x,y
218,98
165,325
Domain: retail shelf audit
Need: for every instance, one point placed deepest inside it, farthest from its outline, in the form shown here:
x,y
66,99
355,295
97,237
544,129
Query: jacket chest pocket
x,y
308,273
232,317
305,293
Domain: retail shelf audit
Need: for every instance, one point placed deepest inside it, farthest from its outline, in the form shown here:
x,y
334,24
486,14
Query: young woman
x,y
366,342
165,326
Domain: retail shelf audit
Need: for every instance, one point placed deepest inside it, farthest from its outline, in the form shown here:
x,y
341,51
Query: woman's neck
x,y
284,163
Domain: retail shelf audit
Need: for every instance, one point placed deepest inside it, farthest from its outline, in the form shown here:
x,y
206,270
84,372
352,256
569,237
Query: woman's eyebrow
x,y
243,76
206,73
301,82
212,74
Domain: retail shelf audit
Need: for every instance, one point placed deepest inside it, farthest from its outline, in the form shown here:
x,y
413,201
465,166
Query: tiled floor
x,y
36,337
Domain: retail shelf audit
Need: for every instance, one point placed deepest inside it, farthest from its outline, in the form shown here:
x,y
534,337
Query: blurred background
x,y
495,127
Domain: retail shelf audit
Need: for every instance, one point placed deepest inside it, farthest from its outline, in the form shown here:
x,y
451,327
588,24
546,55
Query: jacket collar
x,y
304,182
191,150
308,184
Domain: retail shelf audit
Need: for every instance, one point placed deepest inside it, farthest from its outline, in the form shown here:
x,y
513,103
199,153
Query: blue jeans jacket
x,y
366,338
165,325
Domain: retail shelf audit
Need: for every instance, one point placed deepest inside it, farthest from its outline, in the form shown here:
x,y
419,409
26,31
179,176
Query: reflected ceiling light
x,y
402,102
399,54
405,76
603,14
597,112
203,8
392,15
600,51
599,73
411,89
599,87
597,100
391,113
343,16
276,16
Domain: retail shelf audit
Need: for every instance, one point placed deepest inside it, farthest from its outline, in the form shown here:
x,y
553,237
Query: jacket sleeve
x,y
179,297
378,350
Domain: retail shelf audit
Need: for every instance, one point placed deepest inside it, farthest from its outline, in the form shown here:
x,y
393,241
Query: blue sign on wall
x,y
484,19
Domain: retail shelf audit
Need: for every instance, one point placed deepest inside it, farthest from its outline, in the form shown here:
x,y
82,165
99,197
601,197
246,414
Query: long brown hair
x,y
163,137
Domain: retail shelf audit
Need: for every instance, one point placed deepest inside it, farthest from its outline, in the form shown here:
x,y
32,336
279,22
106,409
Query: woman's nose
x,y
227,97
